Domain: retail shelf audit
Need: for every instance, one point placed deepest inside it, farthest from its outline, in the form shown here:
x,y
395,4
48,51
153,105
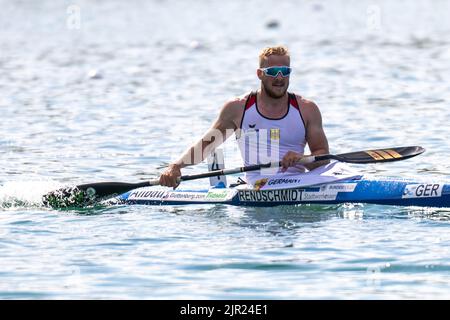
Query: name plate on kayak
x,y
319,193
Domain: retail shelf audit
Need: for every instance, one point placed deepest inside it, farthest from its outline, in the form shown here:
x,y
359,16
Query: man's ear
x,y
259,73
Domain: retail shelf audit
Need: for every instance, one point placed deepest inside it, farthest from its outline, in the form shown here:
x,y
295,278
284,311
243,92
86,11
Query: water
x,y
120,90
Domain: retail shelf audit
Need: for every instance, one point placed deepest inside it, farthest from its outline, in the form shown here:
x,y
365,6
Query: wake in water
x,y
20,194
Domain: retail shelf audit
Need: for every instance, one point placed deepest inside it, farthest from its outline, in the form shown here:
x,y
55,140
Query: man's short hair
x,y
268,51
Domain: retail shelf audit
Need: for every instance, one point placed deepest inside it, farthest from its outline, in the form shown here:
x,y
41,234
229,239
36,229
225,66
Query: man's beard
x,y
273,94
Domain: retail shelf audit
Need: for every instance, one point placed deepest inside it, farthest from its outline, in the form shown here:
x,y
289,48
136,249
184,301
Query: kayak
x,y
373,190
331,183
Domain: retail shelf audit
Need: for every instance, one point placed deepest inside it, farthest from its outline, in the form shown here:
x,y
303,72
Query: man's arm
x,y
315,135
224,126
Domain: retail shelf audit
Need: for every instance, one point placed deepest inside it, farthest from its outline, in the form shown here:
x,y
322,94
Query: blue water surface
x,y
115,90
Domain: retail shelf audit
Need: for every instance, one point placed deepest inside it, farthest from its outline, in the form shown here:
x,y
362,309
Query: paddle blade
x,y
380,155
86,194
104,189
67,197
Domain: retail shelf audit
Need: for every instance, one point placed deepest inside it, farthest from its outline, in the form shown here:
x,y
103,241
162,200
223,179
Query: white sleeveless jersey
x,y
263,140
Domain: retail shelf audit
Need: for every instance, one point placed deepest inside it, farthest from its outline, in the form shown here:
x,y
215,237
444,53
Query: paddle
x,y
88,193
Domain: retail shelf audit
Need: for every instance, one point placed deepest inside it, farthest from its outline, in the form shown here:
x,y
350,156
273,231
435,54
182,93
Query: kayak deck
x,y
383,191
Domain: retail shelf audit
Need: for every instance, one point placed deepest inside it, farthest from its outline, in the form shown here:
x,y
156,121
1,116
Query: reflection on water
x,y
433,214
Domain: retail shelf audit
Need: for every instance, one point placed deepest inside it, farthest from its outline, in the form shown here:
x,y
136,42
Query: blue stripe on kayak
x,y
446,189
389,192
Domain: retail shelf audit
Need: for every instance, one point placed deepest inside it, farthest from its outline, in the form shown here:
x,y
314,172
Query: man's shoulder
x,y
238,101
236,104
309,110
306,103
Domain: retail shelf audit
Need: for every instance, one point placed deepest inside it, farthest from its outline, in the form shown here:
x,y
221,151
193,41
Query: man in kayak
x,y
271,124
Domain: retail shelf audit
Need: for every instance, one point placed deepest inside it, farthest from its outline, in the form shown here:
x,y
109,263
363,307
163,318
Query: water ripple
x,y
123,95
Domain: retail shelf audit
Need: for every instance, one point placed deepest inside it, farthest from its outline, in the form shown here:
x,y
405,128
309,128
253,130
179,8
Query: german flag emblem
x,y
274,134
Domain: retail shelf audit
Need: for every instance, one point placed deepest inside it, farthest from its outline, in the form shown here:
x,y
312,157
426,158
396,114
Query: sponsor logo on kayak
x,y
423,190
166,195
217,195
185,196
341,187
319,196
147,195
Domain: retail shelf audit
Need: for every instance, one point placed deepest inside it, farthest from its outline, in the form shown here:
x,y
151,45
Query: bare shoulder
x,y
232,111
234,107
308,105
309,109
236,104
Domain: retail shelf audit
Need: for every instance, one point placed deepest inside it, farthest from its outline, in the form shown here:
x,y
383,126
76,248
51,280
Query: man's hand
x,y
290,159
169,178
